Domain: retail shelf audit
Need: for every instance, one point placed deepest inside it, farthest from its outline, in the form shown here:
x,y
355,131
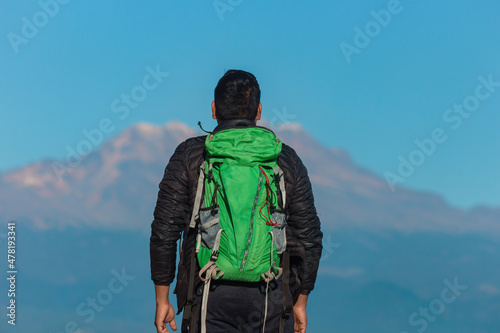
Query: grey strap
x,y
269,275
265,308
198,242
213,259
204,302
207,225
212,272
197,199
215,250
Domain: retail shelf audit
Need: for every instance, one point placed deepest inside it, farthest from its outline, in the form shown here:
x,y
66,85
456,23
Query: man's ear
x,y
214,114
259,111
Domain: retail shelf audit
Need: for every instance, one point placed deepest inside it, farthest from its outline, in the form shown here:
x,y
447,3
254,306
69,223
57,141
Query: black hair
x,y
237,95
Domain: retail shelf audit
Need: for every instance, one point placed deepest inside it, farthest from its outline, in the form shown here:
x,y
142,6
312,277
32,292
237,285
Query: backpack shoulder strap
x,y
189,317
285,281
198,198
285,288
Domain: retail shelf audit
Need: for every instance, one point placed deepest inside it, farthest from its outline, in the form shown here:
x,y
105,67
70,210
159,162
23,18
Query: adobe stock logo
x,y
454,116
30,28
420,320
281,117
221,6
363,35
121,106
89,309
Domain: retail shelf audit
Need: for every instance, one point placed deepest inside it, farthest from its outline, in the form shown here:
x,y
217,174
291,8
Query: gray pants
x,y
236,307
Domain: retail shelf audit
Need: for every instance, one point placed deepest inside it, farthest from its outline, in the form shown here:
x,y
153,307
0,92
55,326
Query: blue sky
x,y
397,87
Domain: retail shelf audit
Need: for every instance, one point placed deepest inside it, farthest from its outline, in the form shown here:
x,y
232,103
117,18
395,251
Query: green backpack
x,y
241,225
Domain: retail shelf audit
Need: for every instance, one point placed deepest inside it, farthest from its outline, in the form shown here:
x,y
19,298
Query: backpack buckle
x,y
287,311
214,256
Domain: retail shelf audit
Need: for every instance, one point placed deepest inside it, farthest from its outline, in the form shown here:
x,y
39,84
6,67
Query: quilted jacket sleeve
x,y
170,218
303,219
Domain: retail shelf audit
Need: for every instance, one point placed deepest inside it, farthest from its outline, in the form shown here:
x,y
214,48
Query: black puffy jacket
x,y
175,203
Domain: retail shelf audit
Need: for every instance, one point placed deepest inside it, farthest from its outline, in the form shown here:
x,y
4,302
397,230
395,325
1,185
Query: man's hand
x,y
300,315
165,313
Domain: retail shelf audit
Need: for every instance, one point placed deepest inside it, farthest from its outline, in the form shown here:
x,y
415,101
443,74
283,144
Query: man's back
x,y
173,211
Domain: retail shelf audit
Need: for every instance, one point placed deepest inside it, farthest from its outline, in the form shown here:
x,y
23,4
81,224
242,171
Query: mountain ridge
x,y
116,185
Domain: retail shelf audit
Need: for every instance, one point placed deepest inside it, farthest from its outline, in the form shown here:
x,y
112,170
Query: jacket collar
x,y
234,123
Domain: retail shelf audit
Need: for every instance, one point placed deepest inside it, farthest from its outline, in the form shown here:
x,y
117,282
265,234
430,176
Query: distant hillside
x,y
116,185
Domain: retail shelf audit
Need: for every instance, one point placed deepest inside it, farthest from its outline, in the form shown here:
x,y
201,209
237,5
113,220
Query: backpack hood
x,y
243,146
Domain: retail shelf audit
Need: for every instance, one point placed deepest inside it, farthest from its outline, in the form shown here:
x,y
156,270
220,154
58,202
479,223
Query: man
x,y
233,306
